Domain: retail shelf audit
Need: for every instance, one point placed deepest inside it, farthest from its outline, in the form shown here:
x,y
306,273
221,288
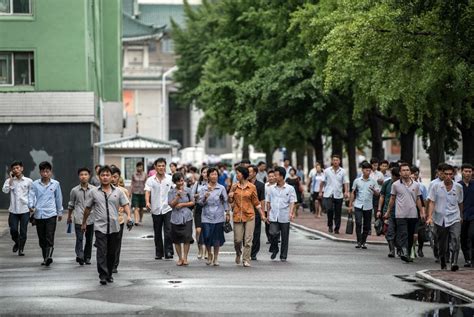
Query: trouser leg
x,y
13,221
443,242
412,223
470,234
329,206
238,237
101,254
79,241
337,213
158,228
454,242
41,232
358,219
274,236
285,235
256,236
402,235
367,220
167,234
112,245
24,220
249,227
118,246
465,240
89,238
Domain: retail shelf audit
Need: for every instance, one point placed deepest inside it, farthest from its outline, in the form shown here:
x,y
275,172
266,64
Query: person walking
x,y
138,193
157,188
271,182
385,194
363,190
333,189
215,211
262,175
244,200
46,202
104,203
445,212
405,196
18,186
316,176
280,206
95,181
201,183
253,172
181,200
76,206
467,226
294,181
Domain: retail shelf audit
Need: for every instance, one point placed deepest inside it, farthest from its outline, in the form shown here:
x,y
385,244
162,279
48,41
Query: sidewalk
x,y
307,221
3,222
460,282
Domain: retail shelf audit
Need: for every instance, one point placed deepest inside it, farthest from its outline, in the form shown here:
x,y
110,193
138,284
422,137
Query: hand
x,y
386,215
292,217
267,221
69,220
264,219
379,214
60,218
148,206
320,194
346,195
83,227
422,216
231,195
227,217
429,221
349,209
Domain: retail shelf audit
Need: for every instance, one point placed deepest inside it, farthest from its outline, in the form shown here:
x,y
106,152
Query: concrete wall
x,y
66,146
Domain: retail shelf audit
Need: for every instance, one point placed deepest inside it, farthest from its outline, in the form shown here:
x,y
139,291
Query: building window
x,y
217,142
135,57
130,165
15,7
17,69
167,46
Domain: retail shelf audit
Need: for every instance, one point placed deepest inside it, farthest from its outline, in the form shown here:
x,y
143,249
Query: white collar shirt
x,y
19,191
446,203
159,190
334,182
280,199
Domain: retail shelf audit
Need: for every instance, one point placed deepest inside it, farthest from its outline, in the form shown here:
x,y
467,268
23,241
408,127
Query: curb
x,y
455,289
332,238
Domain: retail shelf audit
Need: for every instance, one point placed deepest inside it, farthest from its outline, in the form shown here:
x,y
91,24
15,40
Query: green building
x,y
60,64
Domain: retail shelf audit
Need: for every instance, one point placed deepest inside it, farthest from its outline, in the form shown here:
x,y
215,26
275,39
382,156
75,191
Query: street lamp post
x,y
165,104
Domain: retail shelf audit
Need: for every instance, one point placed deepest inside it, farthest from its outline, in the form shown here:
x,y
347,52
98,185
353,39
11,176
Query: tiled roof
x,y
133,28
137,142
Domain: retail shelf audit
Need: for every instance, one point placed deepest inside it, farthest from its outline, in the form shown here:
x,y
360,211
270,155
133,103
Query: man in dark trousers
x,y
46,202
467,227
106,201
253,170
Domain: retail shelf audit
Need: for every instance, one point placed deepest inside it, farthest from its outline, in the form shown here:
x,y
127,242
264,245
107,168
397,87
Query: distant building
x,y
60,61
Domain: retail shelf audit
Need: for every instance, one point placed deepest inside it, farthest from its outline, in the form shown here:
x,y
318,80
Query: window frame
x,y
11,13
31,57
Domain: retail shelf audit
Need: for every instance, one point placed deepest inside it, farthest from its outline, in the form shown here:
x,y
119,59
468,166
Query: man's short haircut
x,y
440,167
336,156
83,169
177,177
105,168
139,164
116,170
255,168
173,164
45,166
395,172
160,160
414,169
261,163
403,165
374,160
287,159
466,166
384,162
245,161
281,170
242,170
97,166
392,165
16,163
365,165
270,172
448,167
193,169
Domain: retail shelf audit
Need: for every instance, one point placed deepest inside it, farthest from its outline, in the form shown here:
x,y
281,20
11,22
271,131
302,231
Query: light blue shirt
x,y
280,199
46,199
364,195
215,206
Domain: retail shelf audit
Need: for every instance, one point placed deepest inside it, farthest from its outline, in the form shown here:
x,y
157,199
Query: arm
x,y
87,212
351,201
32,199
58,196
126,208
310,180
380,206
70,205
390,206
420,208
7,185
147,199
346,190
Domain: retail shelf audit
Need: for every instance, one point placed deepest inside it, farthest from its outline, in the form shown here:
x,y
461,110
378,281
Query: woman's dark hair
x,y
105,168
242,170
177,177
45,165
201,179
293,169
210,170
139,164
83,169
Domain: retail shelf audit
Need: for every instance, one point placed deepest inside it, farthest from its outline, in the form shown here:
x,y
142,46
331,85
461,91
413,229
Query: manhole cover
x,y
174,282
149,236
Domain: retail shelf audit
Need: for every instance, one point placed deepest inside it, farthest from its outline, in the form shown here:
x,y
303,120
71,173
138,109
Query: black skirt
x,y
182,233
197,216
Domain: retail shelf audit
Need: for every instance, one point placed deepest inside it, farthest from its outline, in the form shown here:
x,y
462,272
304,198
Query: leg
x,y
238,237
367,220
464,241
454,244
112,245
79,242
88,247
256,237
470,234
402,237
50,231
358,219
249,227
267,229
24,220
199,245
317,208
443,237
337,214
136,214
157,228
274,236
41,231
186,248
216,254
412,224
285,234
177,246
118,247
101,242
13,221
329,206
167,235
390,237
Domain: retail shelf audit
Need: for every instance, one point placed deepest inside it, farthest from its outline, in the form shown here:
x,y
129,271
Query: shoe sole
x,y
48,262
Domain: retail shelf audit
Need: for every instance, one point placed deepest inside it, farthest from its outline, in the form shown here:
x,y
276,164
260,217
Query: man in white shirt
x,y
445,212
156,197
333,189
271,182
18,186
439,179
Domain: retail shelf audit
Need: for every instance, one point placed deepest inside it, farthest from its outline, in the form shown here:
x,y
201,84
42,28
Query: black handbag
x,y
350,225
227,227
378,225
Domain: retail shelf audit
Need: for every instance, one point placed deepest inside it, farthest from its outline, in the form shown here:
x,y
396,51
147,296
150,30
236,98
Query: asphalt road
x,y
320,278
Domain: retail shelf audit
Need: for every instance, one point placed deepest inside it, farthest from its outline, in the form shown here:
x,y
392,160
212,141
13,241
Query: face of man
x,y
366,172
160,168
405,172
115,179
173,168
17,170
336,162
105,178
383,167
375,166
252,174
278,177
262,168
415,176
46,174
448,176
467,174
441,175
286,163
84,177
271,178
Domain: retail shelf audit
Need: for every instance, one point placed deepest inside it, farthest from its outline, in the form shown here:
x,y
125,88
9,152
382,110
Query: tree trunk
x,y
300,157
436,150
318,147
245,149
407,141
269,156
467,133
337,143
351,152
376,125
309,155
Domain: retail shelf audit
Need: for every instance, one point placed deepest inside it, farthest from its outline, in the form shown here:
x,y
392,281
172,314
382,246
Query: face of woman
x,y
292,172
318,168
213,177
239,176
180,183
204,174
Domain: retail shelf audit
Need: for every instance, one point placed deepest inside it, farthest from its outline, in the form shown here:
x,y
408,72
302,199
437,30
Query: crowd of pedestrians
x,y
188,205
